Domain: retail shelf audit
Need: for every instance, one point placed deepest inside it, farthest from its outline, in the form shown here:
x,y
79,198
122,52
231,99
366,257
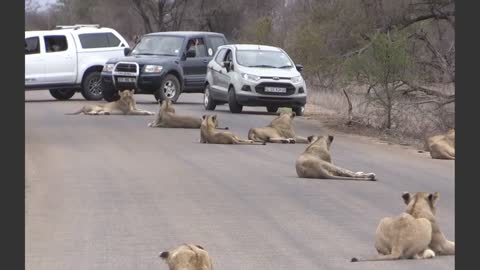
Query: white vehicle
x,y
70,59
254,75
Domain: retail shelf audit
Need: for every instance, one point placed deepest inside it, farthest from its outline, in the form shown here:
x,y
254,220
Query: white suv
x,y
70,59
254,75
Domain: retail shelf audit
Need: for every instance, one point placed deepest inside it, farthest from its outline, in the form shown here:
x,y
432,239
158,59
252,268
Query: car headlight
x,y
152,68
296,79
250,77
108,67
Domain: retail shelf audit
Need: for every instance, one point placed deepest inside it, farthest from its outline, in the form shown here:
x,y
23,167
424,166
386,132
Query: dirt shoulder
x,y
337,123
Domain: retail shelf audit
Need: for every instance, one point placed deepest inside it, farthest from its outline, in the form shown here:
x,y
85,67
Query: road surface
x,y
107,192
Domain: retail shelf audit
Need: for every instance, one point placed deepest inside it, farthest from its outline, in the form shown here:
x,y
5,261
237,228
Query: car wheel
x,y
299,111
232,102
109,94
62,94
169,89
92,86
272,109
208,101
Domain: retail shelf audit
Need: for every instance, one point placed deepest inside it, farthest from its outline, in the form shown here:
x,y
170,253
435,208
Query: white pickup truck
x,y
70,59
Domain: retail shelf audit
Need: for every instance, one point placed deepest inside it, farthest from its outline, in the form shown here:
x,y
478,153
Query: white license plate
x,y
126,79
275,89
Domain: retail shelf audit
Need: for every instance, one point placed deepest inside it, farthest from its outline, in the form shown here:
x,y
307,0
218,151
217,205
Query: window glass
x,y
55,43
220,56
113,40
94,40
32,45
158,45
198,45
263,58
216,42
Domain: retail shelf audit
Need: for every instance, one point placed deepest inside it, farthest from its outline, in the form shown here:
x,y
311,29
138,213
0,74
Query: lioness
x,y
166,117
187,257
442,146
125,105
210,134
414,234
280,130
316,162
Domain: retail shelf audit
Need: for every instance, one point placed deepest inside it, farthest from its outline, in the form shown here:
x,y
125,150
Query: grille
x,y
275,78
126,68
261,88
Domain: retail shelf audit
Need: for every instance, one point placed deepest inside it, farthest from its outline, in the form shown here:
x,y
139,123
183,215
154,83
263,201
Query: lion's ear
x,y
214,117
164,255
293,114
406,197
204,116
132,91
330,138
310,138
433,197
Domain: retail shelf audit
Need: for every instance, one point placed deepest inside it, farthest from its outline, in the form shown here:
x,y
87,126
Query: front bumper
x,y
142,82
257,100
254,94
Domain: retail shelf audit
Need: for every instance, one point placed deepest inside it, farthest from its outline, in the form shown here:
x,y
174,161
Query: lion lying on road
x,y
125,105
166,117
187,257
414,234
316,162
442,146
280,130
210,134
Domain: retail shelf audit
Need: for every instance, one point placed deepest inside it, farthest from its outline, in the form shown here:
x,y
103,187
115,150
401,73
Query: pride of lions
x,y
414,234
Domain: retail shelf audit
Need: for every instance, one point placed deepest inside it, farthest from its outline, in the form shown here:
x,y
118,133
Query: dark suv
x,y
164,64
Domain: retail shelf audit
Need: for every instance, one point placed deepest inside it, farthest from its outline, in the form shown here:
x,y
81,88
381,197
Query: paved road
x,y
106,192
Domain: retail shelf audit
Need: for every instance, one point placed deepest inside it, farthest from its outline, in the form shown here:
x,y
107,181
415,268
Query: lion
x,y
167,118
280,130
316,162
210,134
187,257
442,146
124,106
414,234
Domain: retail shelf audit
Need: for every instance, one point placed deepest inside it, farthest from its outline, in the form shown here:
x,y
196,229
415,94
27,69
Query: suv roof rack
x,y
76,26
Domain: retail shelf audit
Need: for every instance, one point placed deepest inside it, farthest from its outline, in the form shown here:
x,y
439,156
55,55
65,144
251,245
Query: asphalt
x,y
107,192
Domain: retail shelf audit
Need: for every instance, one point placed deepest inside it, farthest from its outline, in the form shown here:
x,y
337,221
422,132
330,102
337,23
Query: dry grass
x,y
411,121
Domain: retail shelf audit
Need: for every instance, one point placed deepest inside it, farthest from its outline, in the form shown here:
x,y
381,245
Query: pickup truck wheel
x,y
92,86
109,94
232,102
208,101
299,111
169,89
272,108
62,94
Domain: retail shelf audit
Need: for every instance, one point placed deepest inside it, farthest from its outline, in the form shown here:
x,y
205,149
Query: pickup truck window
x,y
216,42
32,45
159,45
55,43
98,40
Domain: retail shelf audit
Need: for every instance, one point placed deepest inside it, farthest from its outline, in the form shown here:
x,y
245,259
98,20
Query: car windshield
x,y
263,59
158,45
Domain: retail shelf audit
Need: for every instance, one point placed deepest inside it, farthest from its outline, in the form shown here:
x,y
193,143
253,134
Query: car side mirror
x,y
191,53
299,67
126,51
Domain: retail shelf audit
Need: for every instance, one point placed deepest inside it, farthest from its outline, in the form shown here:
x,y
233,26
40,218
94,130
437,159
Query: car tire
x,y
62,94
109,94
169,89
92,86
299,111
208,101
232,102
272,109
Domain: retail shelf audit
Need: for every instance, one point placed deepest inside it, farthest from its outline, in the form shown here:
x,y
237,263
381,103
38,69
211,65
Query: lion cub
x,y
280,130
414,234
187,257
316,162
166,117
125,105
442,146
209,133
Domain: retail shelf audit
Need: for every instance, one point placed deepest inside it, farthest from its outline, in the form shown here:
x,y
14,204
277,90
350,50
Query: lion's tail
x,y
77,112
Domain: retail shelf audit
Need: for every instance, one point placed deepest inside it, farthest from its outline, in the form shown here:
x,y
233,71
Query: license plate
x,y
275,90
126,79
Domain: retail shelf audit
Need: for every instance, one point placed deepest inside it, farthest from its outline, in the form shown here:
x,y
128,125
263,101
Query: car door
x,y
62,59
34,60
215,69
223,78
195,68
